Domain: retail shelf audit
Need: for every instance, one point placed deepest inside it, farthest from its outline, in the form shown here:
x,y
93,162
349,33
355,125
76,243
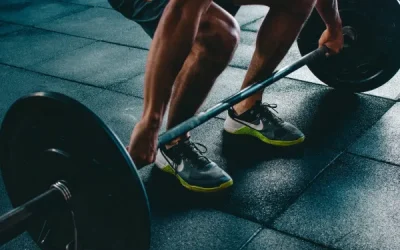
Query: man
x,y
193,42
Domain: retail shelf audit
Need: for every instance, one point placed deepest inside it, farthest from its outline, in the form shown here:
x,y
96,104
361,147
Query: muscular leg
x,y
213,49
276,35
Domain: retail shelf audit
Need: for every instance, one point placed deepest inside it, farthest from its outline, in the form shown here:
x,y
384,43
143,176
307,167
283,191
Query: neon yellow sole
x,y
258,135
170,170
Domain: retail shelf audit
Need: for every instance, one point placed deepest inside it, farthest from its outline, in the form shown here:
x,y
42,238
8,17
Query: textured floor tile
x,y
353,205
21,242
97,3
269,239
99,64
32,13
30,46
5,3
382,141
250,13
6,28
118,111
200,229
248,38
101,24
226,84
245,50
15,3
265,179
253,26
242,56
17,83
390,89
133,86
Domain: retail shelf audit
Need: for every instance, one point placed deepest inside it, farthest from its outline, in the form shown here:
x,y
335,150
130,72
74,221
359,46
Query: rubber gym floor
x,y
338,190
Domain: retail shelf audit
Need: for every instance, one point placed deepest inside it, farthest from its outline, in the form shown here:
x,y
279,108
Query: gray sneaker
x,y
194,170
261,123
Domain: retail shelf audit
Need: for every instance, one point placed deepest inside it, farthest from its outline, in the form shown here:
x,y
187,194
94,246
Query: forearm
x,y
328,10
170,47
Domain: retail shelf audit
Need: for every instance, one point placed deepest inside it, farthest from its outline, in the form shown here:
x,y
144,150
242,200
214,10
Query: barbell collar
x,y
16,221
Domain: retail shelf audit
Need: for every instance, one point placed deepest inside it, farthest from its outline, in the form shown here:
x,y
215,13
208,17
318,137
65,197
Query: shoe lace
x,y
264,112
190,151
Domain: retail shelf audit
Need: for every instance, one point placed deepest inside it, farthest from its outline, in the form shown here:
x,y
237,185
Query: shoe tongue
x,y
194,152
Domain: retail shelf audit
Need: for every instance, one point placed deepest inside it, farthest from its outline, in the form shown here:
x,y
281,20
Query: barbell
x,y
70,179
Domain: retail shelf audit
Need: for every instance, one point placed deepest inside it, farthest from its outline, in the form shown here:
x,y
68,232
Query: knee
x,y
218,39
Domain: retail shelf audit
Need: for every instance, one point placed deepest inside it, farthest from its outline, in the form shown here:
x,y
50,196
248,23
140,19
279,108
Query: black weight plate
x,y
47,137
372,60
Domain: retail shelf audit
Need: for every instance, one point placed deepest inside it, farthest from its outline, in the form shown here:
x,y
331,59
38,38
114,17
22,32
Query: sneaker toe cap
x,y
211,175
289,132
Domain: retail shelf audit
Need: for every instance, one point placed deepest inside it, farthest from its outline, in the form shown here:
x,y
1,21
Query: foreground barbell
x,y
71,179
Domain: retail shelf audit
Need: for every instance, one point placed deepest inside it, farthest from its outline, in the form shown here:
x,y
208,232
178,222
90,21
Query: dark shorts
x,y
148,13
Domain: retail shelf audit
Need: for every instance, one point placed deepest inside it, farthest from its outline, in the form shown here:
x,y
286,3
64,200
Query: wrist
x,y
335,26
151,122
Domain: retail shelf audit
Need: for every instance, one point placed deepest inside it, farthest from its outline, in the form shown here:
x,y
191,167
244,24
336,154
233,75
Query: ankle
x,y
177,140
242,107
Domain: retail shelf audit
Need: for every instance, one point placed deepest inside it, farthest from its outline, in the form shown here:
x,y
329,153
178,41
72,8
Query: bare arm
x,y
171,45
328,10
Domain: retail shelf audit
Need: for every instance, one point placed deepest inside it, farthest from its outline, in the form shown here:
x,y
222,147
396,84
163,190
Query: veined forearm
x,y
328,10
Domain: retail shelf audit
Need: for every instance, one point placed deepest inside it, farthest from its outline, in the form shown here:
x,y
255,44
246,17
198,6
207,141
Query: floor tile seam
x,y
69,80
346,149
57,55
91,38
270,227
12,32
81,4
52,19
257,232
373,159
242,27
125,81
301,238
359,93
398,98
344,236
72,35
293,200
65,15
309,82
